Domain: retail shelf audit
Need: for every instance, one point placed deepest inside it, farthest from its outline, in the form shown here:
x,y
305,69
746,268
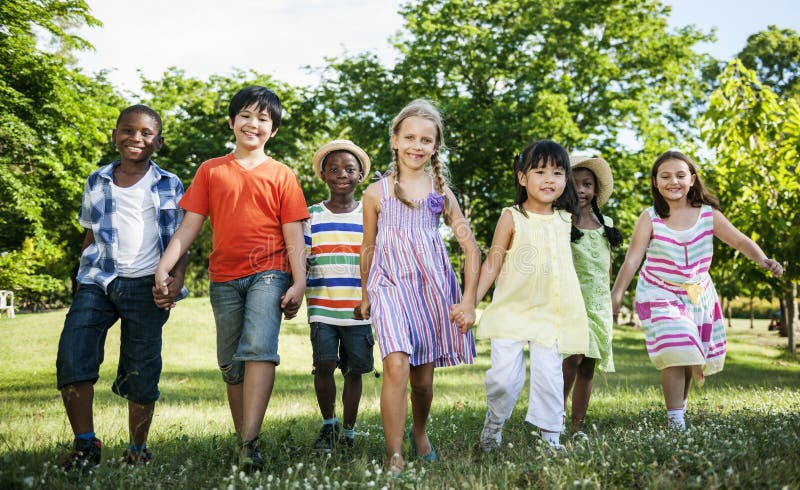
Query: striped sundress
x,y
412,286
676,300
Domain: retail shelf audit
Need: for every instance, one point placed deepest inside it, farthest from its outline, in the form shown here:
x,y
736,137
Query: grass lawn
x,y
744,425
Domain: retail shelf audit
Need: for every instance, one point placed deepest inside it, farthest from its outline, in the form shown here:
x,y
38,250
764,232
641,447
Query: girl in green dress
x,y
593,237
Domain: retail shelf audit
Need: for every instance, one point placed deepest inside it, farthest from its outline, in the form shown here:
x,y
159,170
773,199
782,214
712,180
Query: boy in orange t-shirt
x,y
257,265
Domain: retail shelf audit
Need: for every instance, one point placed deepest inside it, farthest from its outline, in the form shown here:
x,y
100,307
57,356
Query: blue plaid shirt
x,y
99,213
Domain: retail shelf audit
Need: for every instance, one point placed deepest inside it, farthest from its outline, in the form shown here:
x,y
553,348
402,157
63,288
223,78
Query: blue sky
x,y
204,37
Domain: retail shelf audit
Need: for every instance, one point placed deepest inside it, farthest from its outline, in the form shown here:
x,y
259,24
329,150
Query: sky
x,y
283,38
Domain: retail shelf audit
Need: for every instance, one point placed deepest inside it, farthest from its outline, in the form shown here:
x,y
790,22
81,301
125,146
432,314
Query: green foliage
x,y
756,139
55,122
744,424
774,55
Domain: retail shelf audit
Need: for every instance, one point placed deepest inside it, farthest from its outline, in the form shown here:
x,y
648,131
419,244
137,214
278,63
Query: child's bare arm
x,y
176,250
370,203
725,231
633,259
464,313
503,234
296,253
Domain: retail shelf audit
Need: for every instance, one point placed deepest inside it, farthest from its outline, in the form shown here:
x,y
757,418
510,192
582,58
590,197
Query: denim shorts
x,y
248,315
93,312
349,346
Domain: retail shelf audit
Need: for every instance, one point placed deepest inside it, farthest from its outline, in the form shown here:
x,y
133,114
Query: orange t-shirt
x,y
246,209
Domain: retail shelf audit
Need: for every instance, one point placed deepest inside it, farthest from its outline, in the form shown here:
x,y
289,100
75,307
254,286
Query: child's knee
x,y
325,368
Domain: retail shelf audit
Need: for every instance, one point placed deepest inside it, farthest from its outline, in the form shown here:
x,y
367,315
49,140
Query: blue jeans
x,y
248,315
349,346
93,312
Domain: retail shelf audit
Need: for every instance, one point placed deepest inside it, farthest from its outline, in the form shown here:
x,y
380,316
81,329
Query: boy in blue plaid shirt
x,y
130,211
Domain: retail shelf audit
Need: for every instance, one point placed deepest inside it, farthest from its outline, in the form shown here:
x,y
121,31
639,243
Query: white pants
x,y
504,381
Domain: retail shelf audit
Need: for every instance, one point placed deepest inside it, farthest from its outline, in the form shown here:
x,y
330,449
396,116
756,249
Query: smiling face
x,y
673,180
585,185
544,185
415,141
137,136
341,171
252,128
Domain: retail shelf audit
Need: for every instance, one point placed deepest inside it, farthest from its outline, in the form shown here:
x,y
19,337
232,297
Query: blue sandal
x,y
431,457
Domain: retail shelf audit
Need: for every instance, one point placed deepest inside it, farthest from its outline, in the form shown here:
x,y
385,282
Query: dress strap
x,y
384,185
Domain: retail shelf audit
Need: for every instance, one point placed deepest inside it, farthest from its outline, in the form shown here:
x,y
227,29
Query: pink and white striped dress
x,y
679,331
412,286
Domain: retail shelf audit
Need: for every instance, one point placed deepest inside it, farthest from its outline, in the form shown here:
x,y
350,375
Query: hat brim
x,y
602,171
341,145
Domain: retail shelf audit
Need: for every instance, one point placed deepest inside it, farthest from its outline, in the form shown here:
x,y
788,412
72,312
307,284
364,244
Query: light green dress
x,y
592,257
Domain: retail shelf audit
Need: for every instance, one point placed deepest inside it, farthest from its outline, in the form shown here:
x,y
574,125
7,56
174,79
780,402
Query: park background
x,y
612,78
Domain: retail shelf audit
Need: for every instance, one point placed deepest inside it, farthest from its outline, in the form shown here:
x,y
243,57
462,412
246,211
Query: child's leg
x,y
259,378
235,394
421,398
674,382
546,398
393,404
78,400
582,392
139,419
325,388
80,352
139,368
351,397
570,368
505,378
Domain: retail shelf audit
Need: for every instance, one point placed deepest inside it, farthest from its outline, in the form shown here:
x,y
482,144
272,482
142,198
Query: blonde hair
x,y
424,109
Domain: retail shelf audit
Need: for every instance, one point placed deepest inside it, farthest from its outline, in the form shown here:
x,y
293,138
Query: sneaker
x,y
347,442
250,456
580,437
85,455
326,440
554,449
491,435
131,459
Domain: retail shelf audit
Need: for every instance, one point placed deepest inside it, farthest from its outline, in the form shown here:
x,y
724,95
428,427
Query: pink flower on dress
x,y
436,202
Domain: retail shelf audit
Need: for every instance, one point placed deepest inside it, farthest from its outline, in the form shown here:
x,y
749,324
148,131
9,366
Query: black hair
x,y
612,233
325,159
263,97
141,109
698,193
539,154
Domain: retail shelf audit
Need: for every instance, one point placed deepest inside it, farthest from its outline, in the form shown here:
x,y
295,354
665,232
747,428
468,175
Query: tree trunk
x,y
791,318
730,313
751,312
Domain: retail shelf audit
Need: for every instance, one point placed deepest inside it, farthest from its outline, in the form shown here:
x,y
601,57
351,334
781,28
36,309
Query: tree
x,y
55,123
756,139
774,55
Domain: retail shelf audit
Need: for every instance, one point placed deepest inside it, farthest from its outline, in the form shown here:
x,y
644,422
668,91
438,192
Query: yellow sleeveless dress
x,y
537,295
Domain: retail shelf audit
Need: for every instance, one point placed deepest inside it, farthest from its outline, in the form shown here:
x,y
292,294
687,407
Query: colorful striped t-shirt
x,y
333,244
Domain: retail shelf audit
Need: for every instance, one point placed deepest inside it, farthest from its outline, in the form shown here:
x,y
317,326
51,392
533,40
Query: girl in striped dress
x,y
675,298
409,289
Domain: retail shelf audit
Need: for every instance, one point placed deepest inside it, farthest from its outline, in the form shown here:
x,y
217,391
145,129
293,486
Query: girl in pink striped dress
x,y
409,288
675,298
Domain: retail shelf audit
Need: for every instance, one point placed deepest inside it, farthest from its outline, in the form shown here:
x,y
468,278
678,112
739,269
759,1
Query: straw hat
x,y
337,145
601,170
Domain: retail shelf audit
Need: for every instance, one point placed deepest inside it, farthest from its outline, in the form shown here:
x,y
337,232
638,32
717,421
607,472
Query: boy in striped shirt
x,y
333,290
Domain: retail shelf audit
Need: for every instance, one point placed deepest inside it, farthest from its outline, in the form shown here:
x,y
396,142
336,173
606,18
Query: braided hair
x,y
612,233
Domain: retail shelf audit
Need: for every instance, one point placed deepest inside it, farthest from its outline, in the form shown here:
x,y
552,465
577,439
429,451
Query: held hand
x,y
165,292
616,303
772,266
291,301
464,316
362,311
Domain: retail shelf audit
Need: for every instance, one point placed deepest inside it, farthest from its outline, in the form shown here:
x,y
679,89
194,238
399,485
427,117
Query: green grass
x,y
744,424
